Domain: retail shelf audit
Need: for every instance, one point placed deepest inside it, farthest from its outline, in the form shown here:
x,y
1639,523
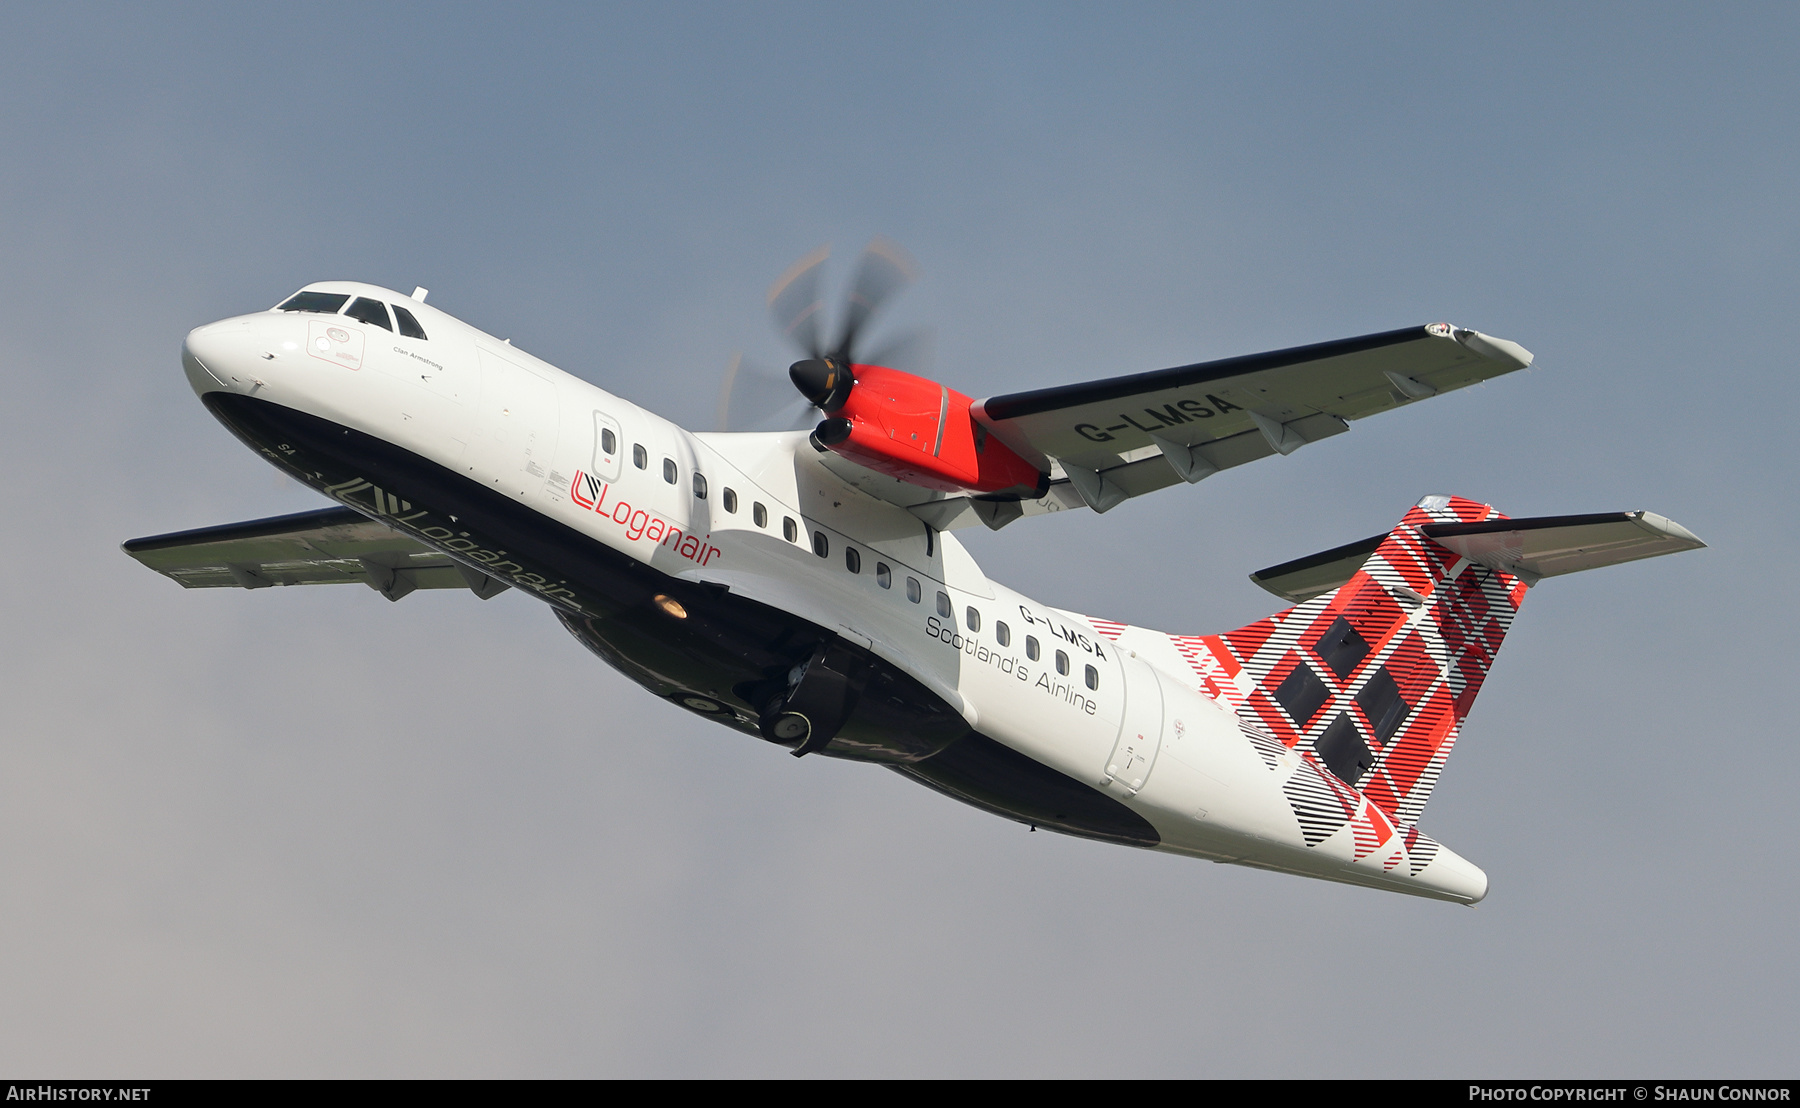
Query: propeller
x,y
823,375
884,270
755,397
748,395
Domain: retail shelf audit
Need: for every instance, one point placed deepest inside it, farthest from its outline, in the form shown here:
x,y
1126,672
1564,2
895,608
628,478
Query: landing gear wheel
x,y
788,728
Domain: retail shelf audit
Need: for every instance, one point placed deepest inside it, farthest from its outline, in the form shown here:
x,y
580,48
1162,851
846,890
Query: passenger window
x,y
883,575
1002,633
325,303
669,470
1062,663
760,514
372,312
852,559
409,326
609,442
1031,647
821,544
913,592
943,603
731,501
699,486
1093,678
972,618
639,456
789,529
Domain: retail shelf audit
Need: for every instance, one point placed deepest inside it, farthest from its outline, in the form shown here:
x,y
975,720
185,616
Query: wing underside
x,y
1106,441
332,546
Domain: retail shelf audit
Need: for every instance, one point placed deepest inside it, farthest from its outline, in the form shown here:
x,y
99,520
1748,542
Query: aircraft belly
x,y
991,775
711,661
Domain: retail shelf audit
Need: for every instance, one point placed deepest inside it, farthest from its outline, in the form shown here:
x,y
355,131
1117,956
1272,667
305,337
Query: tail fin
x,y
1373,679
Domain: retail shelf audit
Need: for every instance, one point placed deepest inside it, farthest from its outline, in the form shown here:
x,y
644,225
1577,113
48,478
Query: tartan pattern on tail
x,y
1371,683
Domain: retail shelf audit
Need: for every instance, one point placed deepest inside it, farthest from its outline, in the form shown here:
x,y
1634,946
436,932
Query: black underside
x,y
723,660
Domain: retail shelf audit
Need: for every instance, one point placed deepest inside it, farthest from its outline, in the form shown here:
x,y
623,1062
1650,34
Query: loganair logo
x,y
589,492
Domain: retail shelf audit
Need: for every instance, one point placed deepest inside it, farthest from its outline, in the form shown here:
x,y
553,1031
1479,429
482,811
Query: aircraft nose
x,y
216,357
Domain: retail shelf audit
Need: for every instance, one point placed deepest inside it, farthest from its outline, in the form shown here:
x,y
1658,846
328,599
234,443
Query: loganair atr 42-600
x,y
806,588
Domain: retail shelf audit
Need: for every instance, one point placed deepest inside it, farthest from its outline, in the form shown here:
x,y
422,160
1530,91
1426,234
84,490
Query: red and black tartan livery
x,y
1373,680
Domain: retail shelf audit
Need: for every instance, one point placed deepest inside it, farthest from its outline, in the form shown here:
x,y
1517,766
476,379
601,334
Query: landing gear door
x,y
1140,730
609,444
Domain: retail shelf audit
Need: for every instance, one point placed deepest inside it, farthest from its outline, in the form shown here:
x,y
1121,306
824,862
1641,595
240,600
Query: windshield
x,y
325,302
370,311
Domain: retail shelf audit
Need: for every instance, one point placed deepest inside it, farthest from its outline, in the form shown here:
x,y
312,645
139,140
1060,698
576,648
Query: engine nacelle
x,y
922,432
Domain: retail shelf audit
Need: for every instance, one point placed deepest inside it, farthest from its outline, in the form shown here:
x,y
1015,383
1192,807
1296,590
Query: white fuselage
x,y
1116,710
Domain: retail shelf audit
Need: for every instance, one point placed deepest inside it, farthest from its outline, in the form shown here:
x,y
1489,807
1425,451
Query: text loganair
x,y
590,492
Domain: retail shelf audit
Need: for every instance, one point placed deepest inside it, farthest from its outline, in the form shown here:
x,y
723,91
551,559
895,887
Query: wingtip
x,y
1666,526
1498,350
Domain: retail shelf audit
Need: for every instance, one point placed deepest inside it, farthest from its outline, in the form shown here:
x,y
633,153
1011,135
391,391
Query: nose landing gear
x,y
820,695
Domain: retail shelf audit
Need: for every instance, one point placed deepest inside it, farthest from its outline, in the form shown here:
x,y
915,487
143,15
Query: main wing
x,y
1127,436
329,546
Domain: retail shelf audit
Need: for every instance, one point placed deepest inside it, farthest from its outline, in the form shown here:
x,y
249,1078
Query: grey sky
x,y
307,832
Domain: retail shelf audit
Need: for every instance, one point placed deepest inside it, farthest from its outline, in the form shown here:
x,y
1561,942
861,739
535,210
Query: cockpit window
x,y
410,326
325,302
370,311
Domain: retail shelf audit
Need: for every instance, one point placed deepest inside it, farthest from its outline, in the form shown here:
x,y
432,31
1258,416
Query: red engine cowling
x,y
921,432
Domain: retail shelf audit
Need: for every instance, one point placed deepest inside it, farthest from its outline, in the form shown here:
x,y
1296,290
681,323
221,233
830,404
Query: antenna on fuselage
x,y
420,293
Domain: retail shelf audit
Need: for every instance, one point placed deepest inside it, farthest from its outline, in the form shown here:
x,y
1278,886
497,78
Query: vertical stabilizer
x,y
1372,680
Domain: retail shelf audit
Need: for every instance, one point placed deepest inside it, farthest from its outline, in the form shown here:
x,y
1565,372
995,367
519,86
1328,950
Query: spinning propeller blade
x,y
884,270
747,394
794,302
754,397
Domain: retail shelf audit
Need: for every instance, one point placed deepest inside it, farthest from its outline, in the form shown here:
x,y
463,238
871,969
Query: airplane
x,y
806,587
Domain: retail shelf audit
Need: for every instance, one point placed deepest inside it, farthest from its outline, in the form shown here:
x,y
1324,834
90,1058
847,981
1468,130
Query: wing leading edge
x,y
325,547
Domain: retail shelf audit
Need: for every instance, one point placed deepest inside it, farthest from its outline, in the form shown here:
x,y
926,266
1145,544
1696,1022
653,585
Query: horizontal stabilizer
x,y
326,547
1531,549
1549,546
1317,574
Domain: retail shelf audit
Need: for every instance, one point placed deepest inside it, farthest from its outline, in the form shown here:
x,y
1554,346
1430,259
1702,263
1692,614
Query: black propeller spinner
x,y
824,376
